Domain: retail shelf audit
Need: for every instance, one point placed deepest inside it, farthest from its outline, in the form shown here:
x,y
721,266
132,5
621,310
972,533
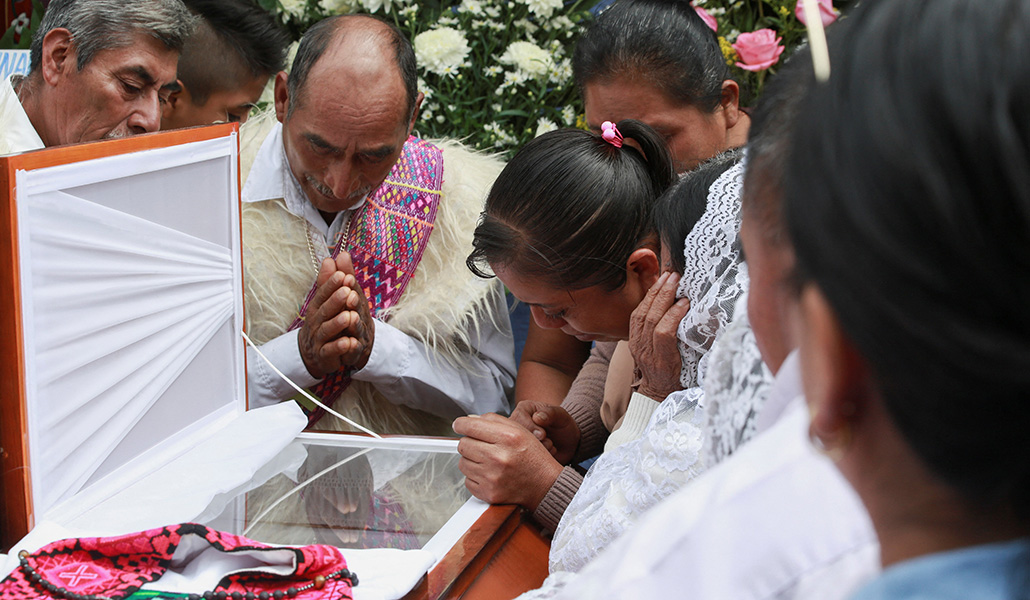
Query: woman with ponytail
x,y
569,228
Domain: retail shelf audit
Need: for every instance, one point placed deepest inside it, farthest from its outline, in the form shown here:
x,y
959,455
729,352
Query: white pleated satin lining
x,y
119,306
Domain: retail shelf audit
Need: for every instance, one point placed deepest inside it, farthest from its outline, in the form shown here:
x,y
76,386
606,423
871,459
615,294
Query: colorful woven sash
x,y
386,239
116,567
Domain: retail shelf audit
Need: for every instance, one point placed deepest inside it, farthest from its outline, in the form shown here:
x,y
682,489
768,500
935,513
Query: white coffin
x,y
122,322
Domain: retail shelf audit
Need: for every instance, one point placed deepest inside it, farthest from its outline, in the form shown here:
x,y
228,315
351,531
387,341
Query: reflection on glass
x,y
349,497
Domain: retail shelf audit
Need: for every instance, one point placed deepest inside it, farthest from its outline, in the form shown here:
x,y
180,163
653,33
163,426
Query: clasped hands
x,y
516,460
338,329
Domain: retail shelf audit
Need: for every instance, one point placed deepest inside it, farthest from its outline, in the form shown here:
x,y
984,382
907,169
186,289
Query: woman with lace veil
x,y
909,212
661,443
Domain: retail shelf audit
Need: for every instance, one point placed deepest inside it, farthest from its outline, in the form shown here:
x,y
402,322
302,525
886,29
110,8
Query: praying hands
x,y
338,331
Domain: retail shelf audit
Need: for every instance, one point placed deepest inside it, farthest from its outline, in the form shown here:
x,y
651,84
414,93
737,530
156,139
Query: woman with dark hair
x,y
655,61
568,228
658,62
908,202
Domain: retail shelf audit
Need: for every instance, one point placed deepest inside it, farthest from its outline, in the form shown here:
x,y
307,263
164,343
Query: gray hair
x,y
97,25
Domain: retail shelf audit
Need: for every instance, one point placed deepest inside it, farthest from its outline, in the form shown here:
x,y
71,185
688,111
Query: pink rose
x,y
758,50
707,18
826,11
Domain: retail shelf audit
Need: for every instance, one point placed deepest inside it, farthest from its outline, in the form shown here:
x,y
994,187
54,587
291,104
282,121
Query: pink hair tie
x,y
611,134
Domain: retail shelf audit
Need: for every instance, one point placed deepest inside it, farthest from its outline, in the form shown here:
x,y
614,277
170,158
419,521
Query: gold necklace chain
x,y
308,231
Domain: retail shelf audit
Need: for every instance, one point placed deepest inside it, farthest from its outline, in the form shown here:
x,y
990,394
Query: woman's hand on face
x,y
652,338
503,462
552,425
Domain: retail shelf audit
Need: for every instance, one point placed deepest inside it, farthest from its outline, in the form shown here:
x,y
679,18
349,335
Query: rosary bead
x,y
237,596
278,595
291,592
264,596
319,582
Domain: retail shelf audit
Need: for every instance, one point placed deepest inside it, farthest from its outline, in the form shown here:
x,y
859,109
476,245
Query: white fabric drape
x,y
129,296
121,306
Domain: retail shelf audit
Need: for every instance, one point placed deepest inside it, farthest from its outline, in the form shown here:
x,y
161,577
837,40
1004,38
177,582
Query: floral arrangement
x,y
754,34
494,73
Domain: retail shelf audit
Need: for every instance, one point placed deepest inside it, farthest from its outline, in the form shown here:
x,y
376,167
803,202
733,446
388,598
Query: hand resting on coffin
x,y
503,462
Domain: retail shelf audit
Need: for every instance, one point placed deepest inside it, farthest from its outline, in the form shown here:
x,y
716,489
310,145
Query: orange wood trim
x,y
17,490
60,155
518,566
472,552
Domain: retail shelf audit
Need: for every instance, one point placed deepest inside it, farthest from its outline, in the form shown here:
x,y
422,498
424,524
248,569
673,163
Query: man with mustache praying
x,y
355,237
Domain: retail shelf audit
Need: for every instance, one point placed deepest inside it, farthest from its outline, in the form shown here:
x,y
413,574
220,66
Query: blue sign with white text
x,y
13,61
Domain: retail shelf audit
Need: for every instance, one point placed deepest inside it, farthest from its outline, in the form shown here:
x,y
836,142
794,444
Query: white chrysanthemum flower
x,y
561,73
559,23
512,79
427,92
441,51
501,137
492,70
294,8
568,114
543,126
528,58
374,5
471,6
542,8
492,11
526,25
338,7
446,21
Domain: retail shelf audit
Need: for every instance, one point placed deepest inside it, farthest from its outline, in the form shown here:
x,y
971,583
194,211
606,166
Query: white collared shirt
x,y
774,521
16,131
399,366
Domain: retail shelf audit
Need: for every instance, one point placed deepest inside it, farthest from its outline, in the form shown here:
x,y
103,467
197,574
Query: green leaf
x,y
7,41
513,113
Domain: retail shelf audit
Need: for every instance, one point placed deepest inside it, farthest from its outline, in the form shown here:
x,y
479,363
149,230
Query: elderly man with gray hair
x,y
98,69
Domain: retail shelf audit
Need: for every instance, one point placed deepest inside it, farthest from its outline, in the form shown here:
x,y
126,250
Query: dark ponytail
x,y
570,207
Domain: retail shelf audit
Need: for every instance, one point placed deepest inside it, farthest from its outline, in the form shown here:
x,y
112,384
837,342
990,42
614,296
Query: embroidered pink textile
x,y
386,239
116,567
